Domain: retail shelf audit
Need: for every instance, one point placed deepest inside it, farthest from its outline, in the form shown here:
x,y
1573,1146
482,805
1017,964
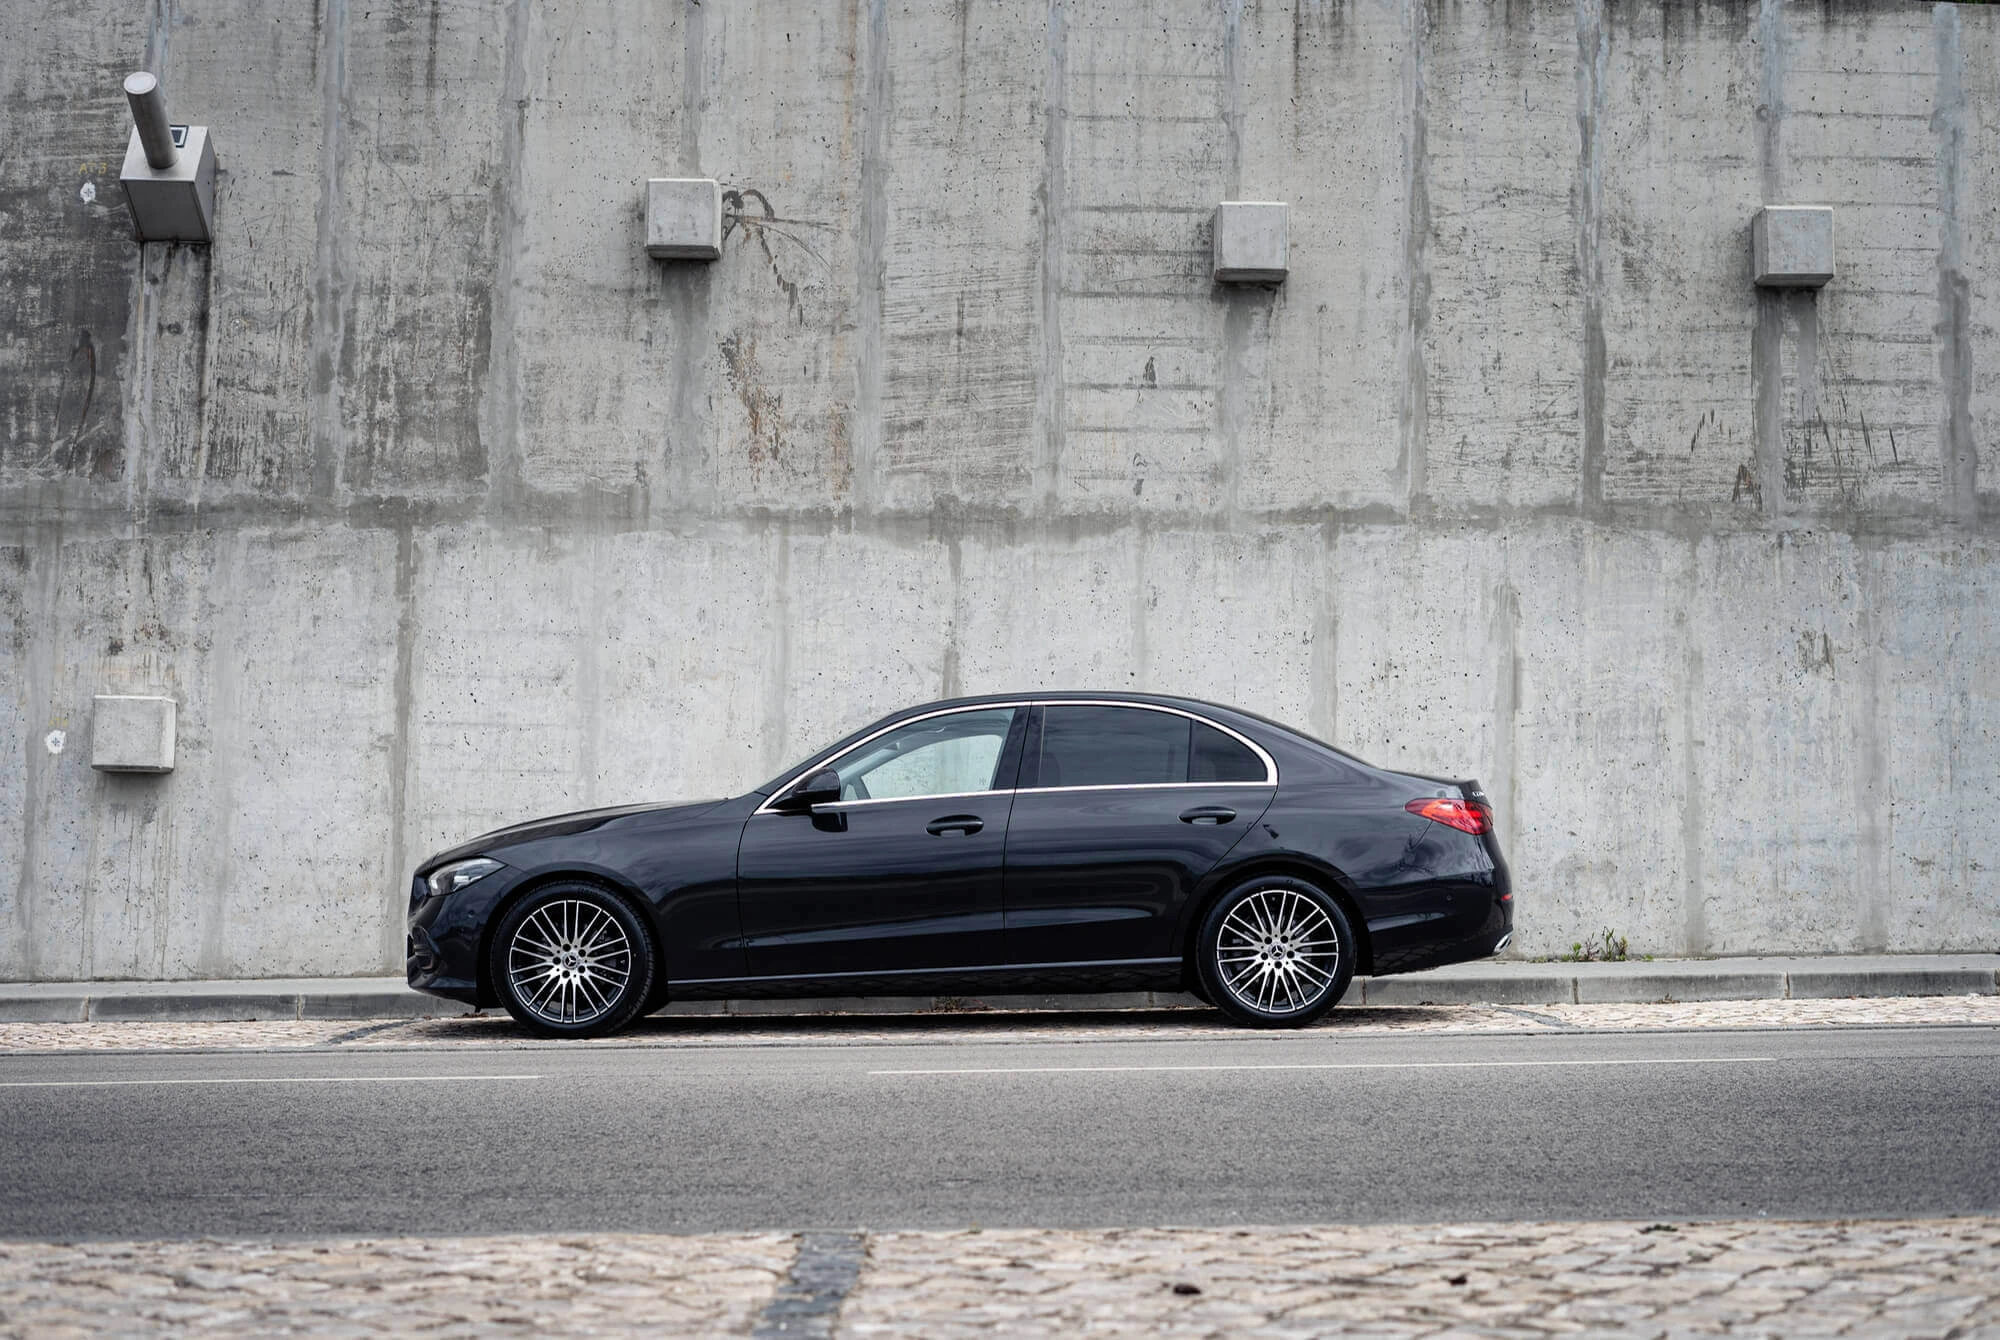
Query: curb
x,y
1488,983
1655,987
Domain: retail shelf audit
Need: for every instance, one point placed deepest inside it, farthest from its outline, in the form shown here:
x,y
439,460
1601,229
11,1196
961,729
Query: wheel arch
x,y
1326,878
641,906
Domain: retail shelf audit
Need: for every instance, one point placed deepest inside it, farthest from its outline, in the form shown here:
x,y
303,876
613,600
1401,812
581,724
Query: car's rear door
x,y
903,874
1121,810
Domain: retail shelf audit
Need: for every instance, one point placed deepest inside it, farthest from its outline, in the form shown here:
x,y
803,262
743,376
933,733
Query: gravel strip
x,y
732,1031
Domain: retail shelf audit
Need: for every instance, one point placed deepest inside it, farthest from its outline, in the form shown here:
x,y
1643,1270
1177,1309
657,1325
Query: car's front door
x,y
1121,812
902,874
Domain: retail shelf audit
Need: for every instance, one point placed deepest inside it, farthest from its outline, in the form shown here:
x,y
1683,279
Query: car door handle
x,y
1208,814
967,824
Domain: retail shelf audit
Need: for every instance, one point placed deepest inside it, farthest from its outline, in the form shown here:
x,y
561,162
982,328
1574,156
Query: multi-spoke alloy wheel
x,y
572,961
1275,951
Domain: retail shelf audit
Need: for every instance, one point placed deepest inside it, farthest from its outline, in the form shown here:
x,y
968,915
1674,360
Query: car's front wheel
x,y
572,960
1275,953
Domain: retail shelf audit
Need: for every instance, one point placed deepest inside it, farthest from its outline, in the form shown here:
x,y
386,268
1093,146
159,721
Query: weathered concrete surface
x,y
435,503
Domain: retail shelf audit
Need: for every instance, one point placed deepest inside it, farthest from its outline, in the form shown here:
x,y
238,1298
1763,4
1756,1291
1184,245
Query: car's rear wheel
x,y
1275,953
573,960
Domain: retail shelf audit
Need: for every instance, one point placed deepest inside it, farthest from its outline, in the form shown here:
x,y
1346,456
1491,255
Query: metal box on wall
x,y
172,204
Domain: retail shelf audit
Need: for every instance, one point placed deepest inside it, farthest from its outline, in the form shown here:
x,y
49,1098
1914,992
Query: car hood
x,y
562,825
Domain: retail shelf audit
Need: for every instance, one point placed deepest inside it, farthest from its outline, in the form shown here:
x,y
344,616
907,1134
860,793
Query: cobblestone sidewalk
x,y
1903,1279
496,1029
1917,1278
529,1286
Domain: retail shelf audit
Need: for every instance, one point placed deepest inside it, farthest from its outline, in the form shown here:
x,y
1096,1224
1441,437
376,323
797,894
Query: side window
x,y
937,756
1111,746
1222,758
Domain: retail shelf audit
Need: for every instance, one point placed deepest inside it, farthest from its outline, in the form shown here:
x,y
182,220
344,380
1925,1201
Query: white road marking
x,y
274,1079
1330,1065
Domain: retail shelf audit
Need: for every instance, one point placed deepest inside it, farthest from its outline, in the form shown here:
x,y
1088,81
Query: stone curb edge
x,y
1527,988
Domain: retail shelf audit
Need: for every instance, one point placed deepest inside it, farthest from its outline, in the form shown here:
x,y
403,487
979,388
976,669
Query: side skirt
x,y
1145,974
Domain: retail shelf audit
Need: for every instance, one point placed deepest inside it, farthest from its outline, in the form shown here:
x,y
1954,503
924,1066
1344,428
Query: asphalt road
x,y
1256,1128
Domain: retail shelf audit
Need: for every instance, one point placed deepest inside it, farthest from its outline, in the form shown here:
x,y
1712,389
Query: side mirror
x,y
821,788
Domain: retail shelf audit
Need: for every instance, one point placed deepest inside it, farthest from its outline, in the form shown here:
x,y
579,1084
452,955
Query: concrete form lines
x,y
1959,464
329,272
1050,400
1694,890
1771,97
1593,44
1874,806
877,109
403,691
1503,636
500,409
139,388
1239,315
1414,408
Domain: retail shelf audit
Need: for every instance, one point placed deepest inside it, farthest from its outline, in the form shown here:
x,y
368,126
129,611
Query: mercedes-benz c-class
x,y
1043,842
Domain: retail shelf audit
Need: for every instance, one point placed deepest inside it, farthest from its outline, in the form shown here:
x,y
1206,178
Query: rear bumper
x,y
1489,939
1480,926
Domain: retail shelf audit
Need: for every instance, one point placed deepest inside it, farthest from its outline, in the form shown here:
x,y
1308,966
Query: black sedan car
x,y
1025,843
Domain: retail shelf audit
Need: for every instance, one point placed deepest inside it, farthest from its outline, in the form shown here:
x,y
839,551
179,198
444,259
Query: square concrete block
x,y
1793,246
1641,987
1251,242
684,218
132,734
1834,983
175,204
1446,988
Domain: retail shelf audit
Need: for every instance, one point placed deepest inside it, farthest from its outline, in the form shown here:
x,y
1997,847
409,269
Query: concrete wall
x,y
436,504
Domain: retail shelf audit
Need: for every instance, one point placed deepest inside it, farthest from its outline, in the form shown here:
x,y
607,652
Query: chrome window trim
x,y
836,806
1270,764
800,775
1134,786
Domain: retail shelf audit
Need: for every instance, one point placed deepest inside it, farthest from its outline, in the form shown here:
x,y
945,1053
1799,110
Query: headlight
x,y
451,878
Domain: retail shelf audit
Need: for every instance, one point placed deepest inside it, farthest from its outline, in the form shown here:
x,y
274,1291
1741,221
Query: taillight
x,y
1467,816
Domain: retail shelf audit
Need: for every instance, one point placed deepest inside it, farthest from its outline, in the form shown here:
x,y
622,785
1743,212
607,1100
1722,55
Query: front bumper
x,y
444,937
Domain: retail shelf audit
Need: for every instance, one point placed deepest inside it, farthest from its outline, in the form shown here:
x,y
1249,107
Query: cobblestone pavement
x,y
1909,1278
531,1286
1904,1279
710,1030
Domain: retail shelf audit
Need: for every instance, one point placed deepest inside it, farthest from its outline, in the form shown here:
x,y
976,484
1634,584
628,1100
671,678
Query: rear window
x,y
1217,757
1112,746
1132,746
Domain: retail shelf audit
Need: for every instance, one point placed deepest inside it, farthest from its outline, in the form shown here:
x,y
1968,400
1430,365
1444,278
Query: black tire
x,y
1263,956
573,960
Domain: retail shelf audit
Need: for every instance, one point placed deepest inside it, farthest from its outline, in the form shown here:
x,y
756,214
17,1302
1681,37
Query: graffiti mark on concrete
x,y
1746,487
86,350
765,225
1815,652
763,407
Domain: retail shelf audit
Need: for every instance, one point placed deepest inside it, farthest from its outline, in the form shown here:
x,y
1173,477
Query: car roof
x,y
1233,716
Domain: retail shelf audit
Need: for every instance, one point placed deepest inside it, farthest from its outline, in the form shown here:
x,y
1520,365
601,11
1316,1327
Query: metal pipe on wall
x,y
149,114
